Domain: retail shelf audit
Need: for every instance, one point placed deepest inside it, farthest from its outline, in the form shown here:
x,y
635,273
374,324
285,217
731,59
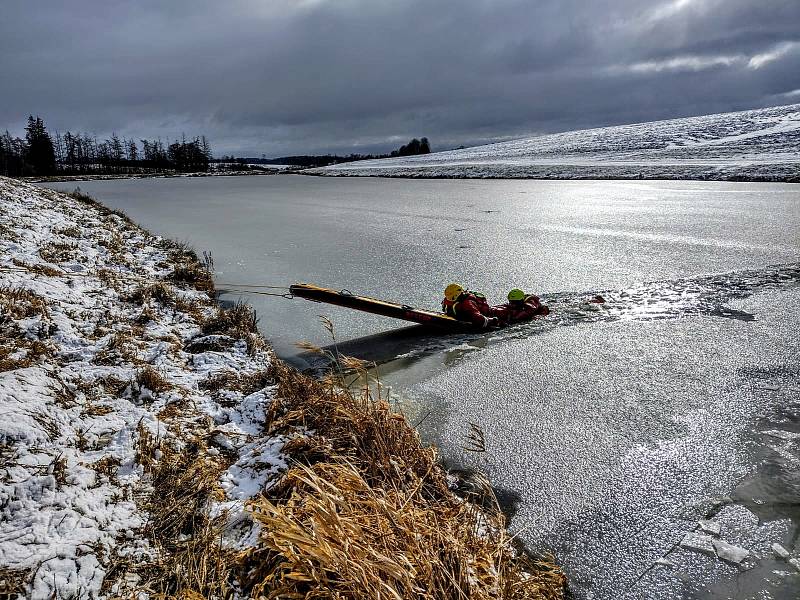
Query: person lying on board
x,y
472,307
468,306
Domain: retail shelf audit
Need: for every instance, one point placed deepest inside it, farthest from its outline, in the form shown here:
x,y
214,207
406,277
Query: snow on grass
x,y
113,357
761,144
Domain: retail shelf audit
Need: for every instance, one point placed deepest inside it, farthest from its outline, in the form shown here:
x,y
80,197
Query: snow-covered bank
x,y
152,446
754,145
102,345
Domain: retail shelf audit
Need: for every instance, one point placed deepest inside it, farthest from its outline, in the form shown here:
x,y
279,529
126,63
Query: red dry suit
x,y
473,308
517,312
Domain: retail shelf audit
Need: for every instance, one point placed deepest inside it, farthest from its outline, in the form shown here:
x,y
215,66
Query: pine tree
x,y
40,154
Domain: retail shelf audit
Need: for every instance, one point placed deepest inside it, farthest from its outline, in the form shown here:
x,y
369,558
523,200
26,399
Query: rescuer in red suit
x,y
520,307
470,306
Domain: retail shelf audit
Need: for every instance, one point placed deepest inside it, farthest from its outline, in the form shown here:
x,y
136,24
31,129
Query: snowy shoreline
x,y
768,174
102,348
164,175
147,433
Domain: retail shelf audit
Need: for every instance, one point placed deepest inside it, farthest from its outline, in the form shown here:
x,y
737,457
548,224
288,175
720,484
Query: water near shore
x,y
616,428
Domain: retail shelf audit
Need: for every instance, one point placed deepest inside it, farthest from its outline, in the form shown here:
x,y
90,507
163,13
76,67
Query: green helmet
x,y
516,295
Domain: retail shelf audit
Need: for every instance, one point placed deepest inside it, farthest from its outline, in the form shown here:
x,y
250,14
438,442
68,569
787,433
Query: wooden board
x,y
379,307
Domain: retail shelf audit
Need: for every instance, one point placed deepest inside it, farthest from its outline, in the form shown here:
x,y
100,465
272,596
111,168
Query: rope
x,y
287,295
247,285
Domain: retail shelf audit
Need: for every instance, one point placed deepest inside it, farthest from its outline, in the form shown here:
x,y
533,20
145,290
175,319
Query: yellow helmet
x,y
453,291
516,295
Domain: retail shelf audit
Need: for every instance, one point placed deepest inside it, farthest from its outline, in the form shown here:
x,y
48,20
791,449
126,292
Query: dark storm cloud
x,y
353,75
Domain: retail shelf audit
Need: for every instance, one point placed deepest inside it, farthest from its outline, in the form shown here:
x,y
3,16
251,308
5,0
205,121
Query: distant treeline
x,y
42,153
415,146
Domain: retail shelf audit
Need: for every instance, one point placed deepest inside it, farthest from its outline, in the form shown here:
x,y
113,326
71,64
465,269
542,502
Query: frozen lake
x,y
612,431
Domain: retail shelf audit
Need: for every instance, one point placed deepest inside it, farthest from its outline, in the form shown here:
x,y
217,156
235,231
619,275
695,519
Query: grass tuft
x,y
20,303
57,252
151,379
13,582
236,321
160,292
246,383
72,231
194,274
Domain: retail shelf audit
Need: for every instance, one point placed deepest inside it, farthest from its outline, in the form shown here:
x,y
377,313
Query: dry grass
x,y
38,269
188,268
194,308
366,512
192,563
371,516
194,274
160,292
213,343
114,244
237,321
112,385
18,350
7,233
72,231
112,279
180,251
10,358
96,410
151,379
56,252
107,466
13,582
145,316
338,536
19,303
246,383
59,470
121,347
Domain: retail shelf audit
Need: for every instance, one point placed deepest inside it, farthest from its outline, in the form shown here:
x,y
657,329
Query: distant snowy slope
x,y
761,144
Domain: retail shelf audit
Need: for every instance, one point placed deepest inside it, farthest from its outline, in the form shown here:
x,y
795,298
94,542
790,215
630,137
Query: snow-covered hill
x,y
760,145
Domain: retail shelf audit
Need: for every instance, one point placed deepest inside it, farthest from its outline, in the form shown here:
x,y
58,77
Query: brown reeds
x,y
364,512
368,513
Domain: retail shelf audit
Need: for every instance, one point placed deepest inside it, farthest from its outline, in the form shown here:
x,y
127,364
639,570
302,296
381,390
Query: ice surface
x,y
698,542
780,551
710,527
729,552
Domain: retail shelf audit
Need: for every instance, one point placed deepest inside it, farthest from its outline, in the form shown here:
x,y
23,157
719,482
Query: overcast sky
x,y
279,77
